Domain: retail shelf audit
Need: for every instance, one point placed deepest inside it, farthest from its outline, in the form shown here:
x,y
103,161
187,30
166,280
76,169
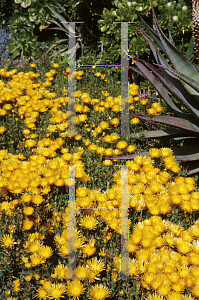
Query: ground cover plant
x,y
35,157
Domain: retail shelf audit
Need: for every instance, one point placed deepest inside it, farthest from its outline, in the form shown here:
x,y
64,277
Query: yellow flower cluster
x,y
37,174
156,109
167,257
38,252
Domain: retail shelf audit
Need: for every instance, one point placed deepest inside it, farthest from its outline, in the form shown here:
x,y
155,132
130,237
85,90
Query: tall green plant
x,y
182,82
63,25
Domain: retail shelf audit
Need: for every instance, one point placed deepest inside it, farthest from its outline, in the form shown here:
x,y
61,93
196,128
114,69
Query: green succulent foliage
x,y
180,81
177,15
64,26
24,4
23,42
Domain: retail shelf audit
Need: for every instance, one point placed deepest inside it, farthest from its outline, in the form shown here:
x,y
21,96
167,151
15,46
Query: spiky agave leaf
x,y
182,82
67,29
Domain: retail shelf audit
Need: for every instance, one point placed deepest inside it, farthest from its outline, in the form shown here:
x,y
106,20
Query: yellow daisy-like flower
x,y
121,145
154,297
99,292
104,125
7,241
2,129
56,291
154,152
135,121
55,65
95,265
45,251
75,288
37,199
28,210
27,224
98,74
41,294
131,148
166,152
89,222
107,162
32,65
88,250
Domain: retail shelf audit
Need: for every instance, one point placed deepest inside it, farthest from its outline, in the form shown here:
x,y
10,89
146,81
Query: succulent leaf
x,y
160,133
179,61
169,120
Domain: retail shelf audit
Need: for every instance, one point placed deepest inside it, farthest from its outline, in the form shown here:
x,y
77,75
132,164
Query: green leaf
x,y
187,153
15,53
169,120
192,83
193,171
62,20
152,33
179,62
159,87
60,51
56,43
13,48
28,2
190,51
178,90
167,133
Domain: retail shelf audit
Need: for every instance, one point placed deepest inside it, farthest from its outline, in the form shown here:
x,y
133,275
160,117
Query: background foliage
x,y
27,22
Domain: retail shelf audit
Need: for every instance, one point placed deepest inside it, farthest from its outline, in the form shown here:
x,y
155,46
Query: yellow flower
x,y
2,129
121,145
26,198
41,293
99,292
108,152
136,99
116,108
155,152
108,139
98,74
104,125
32,65
107,162
92,147
28,277
55,65
28,210
135,121
7,241
30,143
37,199
16,285
144,101
75,288
88,250
45,251
7,106
27,224
154,297
166,152
89,222
175,168
80,73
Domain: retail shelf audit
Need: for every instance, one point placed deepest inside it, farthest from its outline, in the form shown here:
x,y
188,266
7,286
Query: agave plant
x,y
181,82
63,25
